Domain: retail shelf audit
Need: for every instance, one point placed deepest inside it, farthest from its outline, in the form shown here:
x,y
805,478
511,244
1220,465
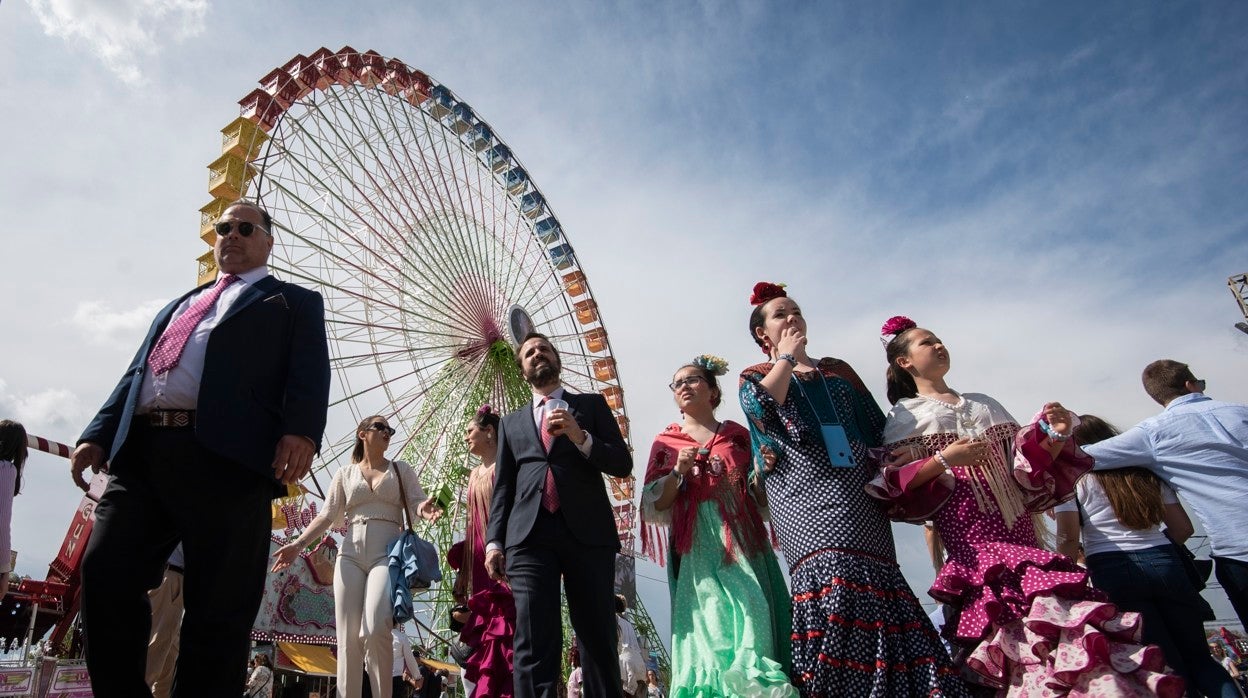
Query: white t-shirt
x,y
1102,531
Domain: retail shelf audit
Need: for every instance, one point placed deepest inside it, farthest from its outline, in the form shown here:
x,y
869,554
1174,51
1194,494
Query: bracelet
x,y
680,480
1052,434
940,458
788,357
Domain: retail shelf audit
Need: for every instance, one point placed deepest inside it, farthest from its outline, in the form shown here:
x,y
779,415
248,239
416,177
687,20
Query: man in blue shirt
x,y
1199,446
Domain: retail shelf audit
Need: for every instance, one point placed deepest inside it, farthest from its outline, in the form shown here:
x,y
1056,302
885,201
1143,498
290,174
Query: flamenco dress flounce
x,y
490,631
1023,619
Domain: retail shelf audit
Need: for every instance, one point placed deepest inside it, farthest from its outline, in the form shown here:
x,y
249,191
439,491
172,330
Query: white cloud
x,y
121,33
102,325
51,413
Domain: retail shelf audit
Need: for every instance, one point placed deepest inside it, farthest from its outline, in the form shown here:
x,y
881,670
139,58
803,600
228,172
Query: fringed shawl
x,y
724,480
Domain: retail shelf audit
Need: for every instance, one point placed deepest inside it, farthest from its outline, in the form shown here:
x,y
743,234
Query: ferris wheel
x,y
435,252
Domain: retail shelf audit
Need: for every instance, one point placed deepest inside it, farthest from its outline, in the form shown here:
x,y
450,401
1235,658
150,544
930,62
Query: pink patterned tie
x,y
168,349
550,494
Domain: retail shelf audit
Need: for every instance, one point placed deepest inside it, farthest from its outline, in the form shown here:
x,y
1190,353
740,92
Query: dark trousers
x,y
534,568
1153,583
1233,576
167,488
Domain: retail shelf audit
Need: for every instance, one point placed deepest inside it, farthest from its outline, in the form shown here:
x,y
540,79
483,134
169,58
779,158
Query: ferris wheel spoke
x,y
408,186
424,152
323,248
391,189
408,375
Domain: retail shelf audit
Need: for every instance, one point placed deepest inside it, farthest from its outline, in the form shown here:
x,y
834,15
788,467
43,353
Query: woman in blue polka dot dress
x,y
858,629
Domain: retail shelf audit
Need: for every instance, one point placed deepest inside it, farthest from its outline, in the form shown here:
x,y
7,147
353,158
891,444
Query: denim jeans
x,y
1233,576
1152,583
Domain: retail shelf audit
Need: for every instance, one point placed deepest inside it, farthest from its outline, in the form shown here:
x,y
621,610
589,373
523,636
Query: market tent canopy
x,y
435,665
316,660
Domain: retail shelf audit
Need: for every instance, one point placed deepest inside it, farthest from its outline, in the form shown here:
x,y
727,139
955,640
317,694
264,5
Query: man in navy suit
x,y
225,400
550,517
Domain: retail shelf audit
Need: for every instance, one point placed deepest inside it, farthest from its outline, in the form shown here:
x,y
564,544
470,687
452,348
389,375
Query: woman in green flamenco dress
x,y
730,606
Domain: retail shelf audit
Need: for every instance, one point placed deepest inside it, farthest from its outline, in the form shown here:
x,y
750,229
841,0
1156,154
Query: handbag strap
x,y
407,516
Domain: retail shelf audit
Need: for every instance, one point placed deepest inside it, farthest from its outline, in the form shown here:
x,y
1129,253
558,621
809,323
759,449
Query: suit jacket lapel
x,y
250,295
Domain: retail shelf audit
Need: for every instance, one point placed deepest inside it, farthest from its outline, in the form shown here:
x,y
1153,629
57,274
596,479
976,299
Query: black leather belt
x,y
175,568
167,419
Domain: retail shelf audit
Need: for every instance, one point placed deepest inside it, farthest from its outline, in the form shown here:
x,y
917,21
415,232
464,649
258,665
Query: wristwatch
x,y
787,357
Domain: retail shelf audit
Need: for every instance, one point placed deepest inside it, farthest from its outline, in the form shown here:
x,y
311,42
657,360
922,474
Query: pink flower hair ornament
x,y
895,326
484,409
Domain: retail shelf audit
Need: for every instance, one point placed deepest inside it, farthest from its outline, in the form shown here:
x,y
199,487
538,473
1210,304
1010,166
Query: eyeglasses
x,y
244,228
690,381
382,427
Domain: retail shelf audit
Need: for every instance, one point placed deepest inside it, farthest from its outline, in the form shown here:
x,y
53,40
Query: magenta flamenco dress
x,y
491,627
1022,620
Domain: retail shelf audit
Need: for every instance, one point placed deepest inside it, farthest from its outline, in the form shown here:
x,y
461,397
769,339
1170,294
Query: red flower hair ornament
x,y
765,291
895,326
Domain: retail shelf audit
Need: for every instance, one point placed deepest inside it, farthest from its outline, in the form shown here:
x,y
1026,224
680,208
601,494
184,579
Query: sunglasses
x,y
691,381
381,427
244,228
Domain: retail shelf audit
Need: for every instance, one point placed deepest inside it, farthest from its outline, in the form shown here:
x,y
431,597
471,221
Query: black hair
x,y
486,419
13,448
264,214
901,384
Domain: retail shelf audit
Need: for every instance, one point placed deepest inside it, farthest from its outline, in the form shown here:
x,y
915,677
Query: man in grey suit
x,y
224,403
551,518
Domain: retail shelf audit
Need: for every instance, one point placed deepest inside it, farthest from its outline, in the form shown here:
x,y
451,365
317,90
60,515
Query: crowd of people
x,y
1016,617
233,377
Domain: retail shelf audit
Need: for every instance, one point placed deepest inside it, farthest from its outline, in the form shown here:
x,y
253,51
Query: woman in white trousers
x,y
367,494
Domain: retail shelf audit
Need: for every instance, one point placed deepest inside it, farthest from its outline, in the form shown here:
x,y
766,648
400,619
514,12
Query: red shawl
x,y
724,480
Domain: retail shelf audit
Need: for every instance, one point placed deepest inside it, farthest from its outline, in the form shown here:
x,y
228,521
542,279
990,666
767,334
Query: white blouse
x,y
1102,531
351,496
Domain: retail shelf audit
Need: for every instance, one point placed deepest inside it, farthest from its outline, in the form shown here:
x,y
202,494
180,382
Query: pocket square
x,y
279,299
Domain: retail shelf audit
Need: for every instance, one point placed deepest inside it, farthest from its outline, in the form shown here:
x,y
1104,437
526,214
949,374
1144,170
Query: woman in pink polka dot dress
x,y
1022,620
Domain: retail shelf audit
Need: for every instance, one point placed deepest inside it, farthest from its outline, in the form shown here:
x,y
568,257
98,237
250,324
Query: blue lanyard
x,y
831,403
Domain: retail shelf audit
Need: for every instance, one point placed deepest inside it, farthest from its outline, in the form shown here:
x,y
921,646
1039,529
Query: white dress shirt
x,y
557,394
179,388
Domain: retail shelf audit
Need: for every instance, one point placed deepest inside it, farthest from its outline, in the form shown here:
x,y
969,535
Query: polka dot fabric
x,y
1023,619
858,629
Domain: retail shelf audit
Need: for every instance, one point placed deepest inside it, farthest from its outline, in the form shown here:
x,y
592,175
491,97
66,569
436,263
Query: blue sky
x,y
1057,189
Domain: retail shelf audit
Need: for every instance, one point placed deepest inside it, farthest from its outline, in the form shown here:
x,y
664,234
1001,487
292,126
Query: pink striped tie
x,y
550,494
168,349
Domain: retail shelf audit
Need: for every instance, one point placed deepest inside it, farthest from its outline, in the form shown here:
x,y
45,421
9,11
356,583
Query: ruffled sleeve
x,y
892,484
903,501
1044,479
